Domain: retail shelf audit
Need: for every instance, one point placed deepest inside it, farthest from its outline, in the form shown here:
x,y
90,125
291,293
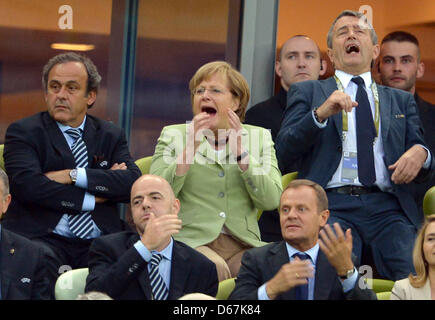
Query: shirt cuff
x,y
349,284
427,163
88,202
320,125
143,251
82,178
262,294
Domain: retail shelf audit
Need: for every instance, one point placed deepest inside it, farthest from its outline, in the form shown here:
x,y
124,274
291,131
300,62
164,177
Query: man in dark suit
x,y
121,265
68,169
24,265
399,67
298,60
364,152
285,270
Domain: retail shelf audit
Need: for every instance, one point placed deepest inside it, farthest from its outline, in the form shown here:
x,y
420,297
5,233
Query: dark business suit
x,y
321,149
426,111
259,265
24,268
117,268
35,145
268,114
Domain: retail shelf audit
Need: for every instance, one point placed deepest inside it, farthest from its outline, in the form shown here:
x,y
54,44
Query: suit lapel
x,y
89,137
58,141
143,277
325,277
279,257
180,269
337,119
385,112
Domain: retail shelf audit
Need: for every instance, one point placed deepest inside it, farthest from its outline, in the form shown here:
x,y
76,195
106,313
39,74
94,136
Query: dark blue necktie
x,y
301,292
365,136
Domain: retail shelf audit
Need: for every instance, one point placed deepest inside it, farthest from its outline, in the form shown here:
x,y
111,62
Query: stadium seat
x,y
144,164
70,284
225,288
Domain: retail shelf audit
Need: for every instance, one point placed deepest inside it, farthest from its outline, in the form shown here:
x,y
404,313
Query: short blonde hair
x,y
420,263
236,82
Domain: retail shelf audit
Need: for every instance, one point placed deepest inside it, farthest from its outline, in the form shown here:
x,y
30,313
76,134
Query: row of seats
x,y
72,283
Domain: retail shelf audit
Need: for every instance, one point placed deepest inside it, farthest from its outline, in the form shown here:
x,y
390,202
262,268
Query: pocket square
x,y
397,116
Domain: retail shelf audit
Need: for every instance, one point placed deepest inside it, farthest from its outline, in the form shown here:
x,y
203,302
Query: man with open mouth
x,y
363,143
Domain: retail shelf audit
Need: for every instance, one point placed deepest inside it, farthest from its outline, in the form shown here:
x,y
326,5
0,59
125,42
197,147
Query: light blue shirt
x,y
62,228
165,263
382,174
348,284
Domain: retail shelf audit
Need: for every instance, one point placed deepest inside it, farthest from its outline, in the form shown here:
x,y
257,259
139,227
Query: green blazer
x,y
215,192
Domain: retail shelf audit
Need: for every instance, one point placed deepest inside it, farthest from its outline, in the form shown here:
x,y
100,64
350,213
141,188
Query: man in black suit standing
x,y
399,67
298,60
68,169
24,265
295,268
150,264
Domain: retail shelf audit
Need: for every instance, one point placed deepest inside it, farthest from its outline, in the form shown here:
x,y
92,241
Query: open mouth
x,y
352,48
209,110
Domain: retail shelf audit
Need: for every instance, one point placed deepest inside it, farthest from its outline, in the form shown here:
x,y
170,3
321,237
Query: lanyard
x,y
375,95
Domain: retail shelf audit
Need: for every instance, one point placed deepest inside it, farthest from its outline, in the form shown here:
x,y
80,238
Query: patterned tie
x,y
365,135
158,287
80,224
301,292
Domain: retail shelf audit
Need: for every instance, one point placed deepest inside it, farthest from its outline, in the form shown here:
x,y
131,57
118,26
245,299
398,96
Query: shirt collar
x,y
63,128
313,252
345,78
166,252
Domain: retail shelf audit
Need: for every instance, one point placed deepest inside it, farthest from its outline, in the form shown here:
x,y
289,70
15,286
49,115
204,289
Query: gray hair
x,y
5,181
94,77
350,13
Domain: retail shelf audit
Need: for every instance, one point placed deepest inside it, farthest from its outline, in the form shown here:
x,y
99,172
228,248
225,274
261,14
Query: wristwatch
x,y
73,175
349,273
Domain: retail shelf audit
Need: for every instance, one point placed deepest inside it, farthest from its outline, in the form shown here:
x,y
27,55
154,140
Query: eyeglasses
x,y
212,92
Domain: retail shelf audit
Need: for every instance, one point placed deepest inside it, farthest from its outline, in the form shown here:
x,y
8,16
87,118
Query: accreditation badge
x,y
349,170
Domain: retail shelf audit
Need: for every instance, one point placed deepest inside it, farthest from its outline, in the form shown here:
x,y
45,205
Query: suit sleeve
x,y
45,273
114,185
415,135
263,178
111,274
298,131
23,162
164,163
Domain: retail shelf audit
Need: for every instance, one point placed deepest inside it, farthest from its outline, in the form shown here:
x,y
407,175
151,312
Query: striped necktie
x,y
158,287
81,224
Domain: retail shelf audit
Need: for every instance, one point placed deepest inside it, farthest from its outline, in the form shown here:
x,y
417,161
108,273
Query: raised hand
x,y
335,103
337,247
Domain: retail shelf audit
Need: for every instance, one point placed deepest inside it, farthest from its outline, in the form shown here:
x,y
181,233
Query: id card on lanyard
x,y
349,171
